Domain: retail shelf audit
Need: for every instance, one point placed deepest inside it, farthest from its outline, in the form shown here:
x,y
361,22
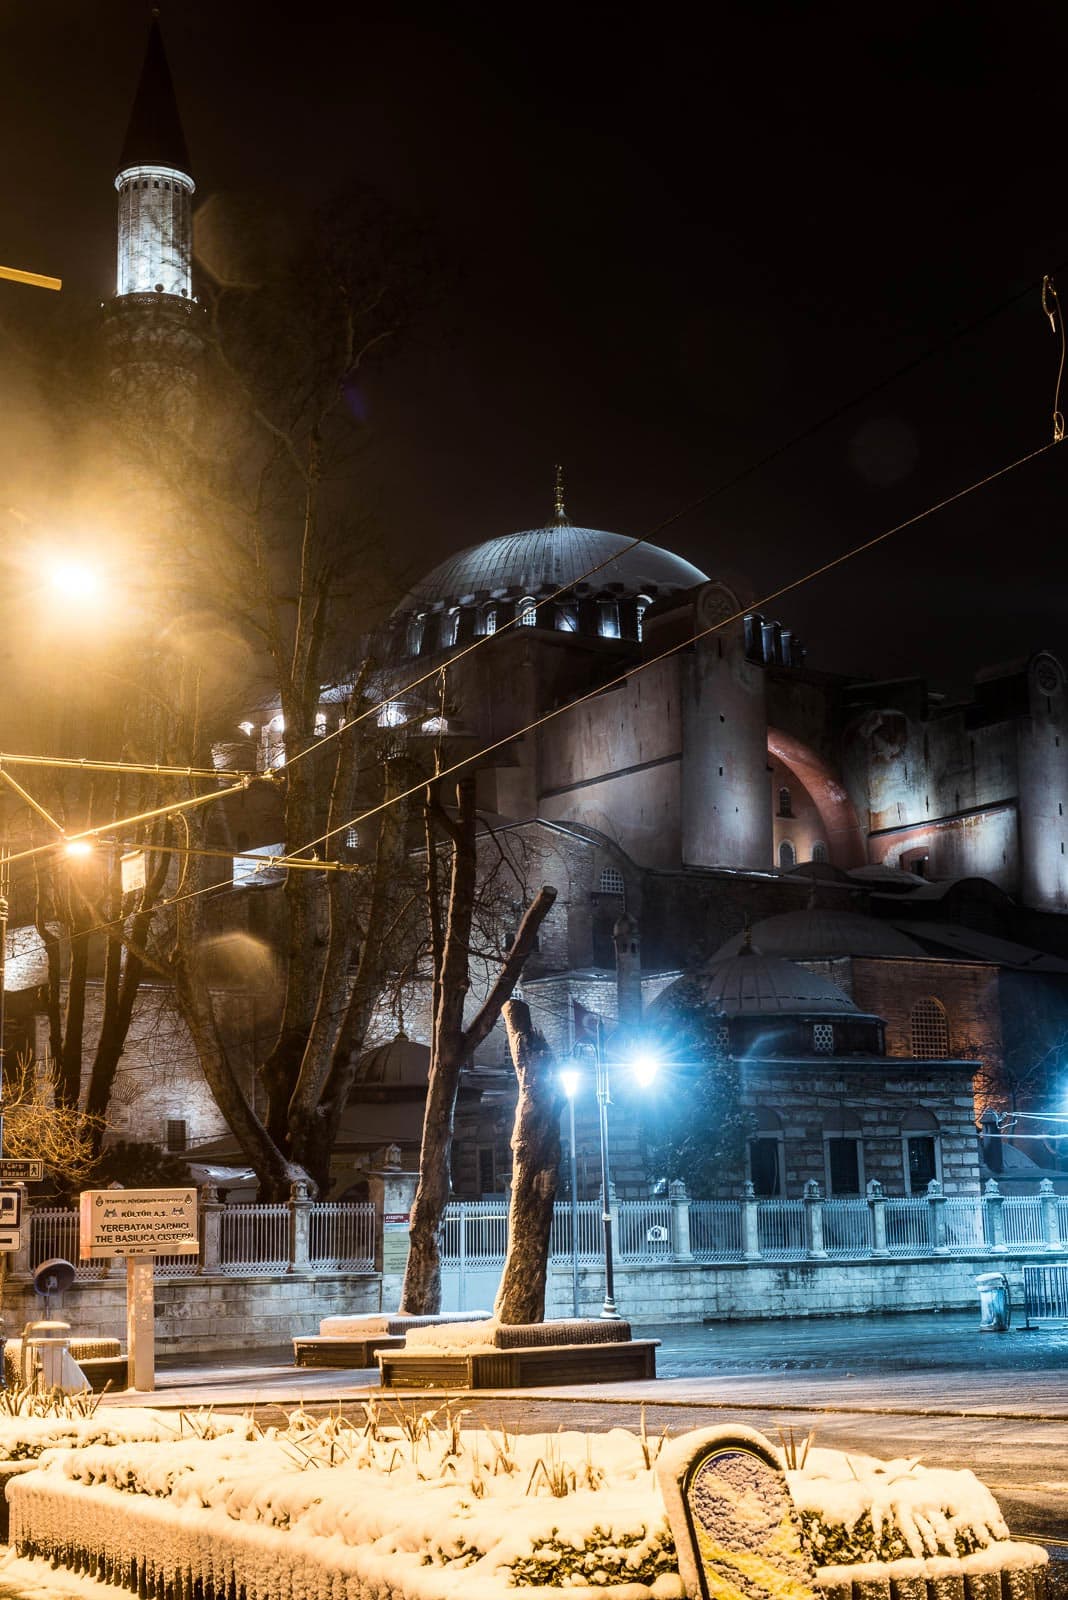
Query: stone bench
x,y
102,1361
354,1341
523,1356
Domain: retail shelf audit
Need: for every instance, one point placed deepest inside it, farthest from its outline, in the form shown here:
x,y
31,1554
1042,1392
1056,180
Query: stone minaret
x,y
155,188
152,321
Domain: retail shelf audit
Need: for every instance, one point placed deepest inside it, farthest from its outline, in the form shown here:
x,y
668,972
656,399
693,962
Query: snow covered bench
x,y
353,1341
489,1355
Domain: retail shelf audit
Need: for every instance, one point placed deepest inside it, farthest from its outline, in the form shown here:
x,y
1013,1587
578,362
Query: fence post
x,y
750,1223
993,1202
877,1204
21,1260
680,1221
813,1219
210,1229
299,1227
936,1218
1051,1225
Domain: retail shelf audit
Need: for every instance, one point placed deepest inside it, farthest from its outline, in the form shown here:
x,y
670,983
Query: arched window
x,y
567,619
415,635
320,724
489,620
929,1030
611,882
766,1154
785,808
819,850
843,1152
921,1150
609,619
787,854
527,612
644,603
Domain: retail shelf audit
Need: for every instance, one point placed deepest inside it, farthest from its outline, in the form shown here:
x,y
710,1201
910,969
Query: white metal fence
x,y
254,1240
341,1237
847,1227
716,1230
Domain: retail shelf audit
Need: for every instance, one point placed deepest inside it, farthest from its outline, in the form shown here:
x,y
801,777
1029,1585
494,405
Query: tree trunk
x,y
535,1168
452,1046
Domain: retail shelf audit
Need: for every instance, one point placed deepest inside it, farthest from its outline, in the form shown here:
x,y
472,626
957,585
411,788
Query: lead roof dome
x,y
817,933
540,560
752,984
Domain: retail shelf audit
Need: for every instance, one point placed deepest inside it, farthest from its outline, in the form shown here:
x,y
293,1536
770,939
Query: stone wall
x,y
685,1293
203,1313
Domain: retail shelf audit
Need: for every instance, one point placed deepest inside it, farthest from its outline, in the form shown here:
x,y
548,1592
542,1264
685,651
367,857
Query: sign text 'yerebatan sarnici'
x,y
138,1222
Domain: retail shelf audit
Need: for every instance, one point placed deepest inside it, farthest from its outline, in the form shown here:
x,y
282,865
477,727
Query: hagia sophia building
x,y
866,882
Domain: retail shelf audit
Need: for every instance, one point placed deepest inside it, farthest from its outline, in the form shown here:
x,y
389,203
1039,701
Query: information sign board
x,y
13,1169
395,1230
138,1222
10,1239
10,1209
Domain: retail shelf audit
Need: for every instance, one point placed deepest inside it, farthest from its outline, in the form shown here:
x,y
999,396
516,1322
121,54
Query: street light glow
x,y
78,848
645,1067
569,1081
74,580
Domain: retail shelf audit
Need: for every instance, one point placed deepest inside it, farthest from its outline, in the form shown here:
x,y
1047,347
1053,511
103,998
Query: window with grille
x,y
644,603
320,724
527,612
785,807
823,1038
819,851
787,856
611,881
489,620
929,1029
610,619
176,1135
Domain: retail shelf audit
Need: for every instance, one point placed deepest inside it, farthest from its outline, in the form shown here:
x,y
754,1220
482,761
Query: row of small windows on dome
x,y
605,619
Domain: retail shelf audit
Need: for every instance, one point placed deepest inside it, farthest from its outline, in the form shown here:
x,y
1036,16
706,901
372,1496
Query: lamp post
x,y
569,1084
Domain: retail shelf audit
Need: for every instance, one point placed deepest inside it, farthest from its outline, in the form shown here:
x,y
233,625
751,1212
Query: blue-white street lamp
x,y
645,1066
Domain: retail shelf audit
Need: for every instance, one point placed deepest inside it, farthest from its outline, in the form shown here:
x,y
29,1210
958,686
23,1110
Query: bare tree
x,y
451,908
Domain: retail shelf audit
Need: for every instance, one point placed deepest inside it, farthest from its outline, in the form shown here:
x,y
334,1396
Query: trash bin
x,y
994,1308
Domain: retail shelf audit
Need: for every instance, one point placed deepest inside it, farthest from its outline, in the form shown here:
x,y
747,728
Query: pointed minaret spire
x,y
560,516
154,185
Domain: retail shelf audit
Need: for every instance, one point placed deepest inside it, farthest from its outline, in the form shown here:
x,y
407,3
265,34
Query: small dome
x,y
817,934
753,984
541,560
399,1064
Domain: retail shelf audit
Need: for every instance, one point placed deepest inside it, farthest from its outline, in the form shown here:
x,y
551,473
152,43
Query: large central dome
x,y
541,560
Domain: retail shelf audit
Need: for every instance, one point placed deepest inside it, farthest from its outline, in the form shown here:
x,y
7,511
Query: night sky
x,y
671,245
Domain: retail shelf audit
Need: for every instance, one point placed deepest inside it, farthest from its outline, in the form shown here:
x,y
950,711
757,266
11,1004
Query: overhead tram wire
x,y
704,633
765,460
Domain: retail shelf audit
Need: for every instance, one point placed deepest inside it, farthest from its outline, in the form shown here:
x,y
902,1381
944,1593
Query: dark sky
x,y
676,239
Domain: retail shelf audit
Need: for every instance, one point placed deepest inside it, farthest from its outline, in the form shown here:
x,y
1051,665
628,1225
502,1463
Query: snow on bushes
x,y
391,1497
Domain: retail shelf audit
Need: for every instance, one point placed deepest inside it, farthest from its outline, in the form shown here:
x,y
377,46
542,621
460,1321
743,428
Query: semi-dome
x,y
753,984
539,561
817,934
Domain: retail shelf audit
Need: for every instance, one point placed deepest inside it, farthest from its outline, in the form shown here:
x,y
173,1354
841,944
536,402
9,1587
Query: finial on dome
x,y
559,513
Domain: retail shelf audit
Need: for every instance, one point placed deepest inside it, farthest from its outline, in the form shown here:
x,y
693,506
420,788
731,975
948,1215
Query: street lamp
x,y
645,1066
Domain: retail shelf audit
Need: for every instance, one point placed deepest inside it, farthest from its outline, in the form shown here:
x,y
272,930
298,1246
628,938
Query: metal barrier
x,y
474,1230
254,1239
965,1224
847,1227
1045,1294
341,1236
590,1231
1023,1223
781,1229
908,1230
716,1230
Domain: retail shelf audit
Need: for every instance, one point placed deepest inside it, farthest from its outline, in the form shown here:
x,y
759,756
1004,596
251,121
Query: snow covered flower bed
x,y
420,1508
26,1438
